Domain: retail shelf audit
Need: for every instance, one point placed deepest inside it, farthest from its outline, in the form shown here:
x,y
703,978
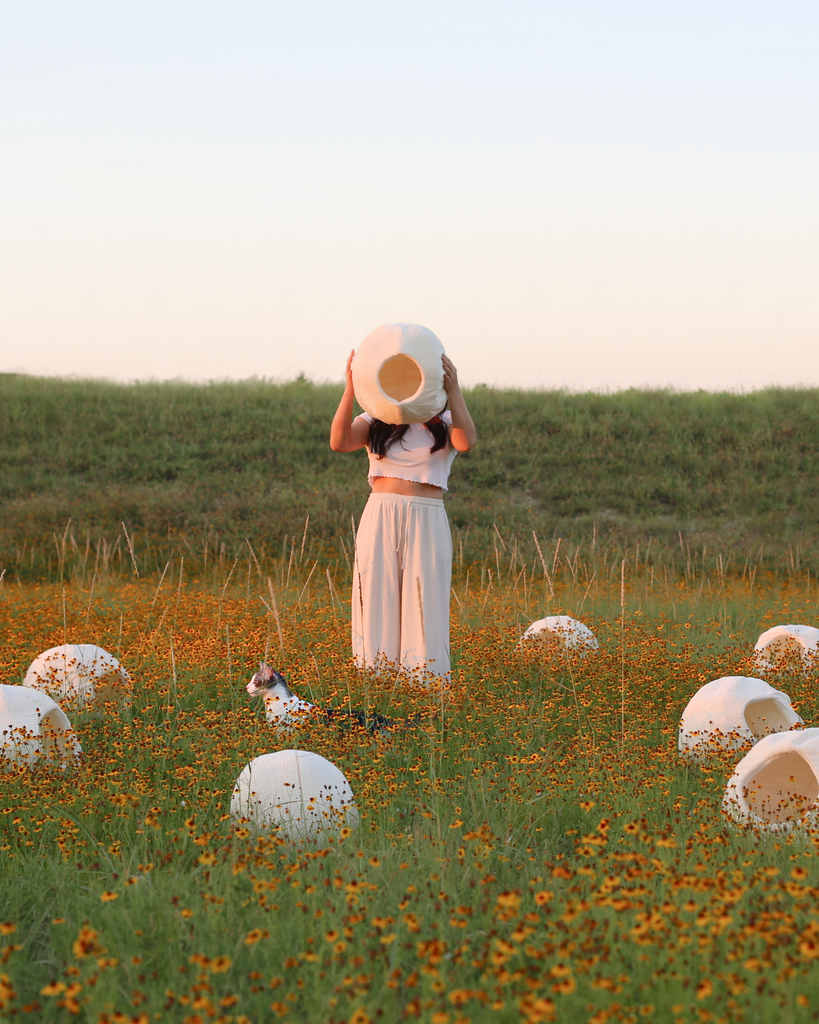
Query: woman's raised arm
x,y
462,434
346,436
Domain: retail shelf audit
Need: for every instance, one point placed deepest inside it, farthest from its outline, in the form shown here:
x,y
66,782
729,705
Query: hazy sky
x,y
589,194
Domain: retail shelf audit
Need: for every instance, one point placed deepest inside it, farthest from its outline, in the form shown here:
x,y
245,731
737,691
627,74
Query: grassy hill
x,y
185,466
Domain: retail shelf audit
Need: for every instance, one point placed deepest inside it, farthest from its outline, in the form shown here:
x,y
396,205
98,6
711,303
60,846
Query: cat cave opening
x,y
400,377
767,716
783,790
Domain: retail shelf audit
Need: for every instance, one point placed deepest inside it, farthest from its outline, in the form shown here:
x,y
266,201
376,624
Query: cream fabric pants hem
x,y
401,584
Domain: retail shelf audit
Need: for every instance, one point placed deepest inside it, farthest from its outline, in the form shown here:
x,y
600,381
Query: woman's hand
x,y
348,375
451,385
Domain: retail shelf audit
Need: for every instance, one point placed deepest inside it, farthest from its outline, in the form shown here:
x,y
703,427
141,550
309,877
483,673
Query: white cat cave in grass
x,y
398,376
79,673
562,631
731,712
776,785
785,647
33,727
295,792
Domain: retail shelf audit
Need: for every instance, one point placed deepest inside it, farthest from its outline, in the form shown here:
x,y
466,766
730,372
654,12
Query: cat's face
x,y
268,678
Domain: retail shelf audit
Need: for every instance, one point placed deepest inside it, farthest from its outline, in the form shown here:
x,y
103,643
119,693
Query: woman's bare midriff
x,y
394,485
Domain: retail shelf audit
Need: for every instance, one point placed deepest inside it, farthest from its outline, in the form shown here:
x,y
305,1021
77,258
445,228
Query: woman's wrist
x,y
456,400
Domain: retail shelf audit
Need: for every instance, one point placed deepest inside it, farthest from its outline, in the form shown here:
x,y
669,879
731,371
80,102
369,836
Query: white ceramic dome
x,y
776,784
77,673
296,792
731,712
32,726
781,645
563,630
398,376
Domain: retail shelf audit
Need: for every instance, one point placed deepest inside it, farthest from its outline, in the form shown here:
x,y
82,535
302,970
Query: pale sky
x,y
591,195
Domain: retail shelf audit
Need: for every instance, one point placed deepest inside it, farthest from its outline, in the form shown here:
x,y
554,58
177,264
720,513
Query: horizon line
x,y
302,378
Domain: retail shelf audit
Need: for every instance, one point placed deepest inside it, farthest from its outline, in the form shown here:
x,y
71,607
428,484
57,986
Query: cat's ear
x,y
266,672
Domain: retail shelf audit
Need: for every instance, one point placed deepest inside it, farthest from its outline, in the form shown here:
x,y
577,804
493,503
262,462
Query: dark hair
x,y
384,435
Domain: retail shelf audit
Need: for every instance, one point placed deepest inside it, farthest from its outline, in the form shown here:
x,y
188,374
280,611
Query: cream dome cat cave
x,y
32,727
295,792
79,673
785,647
563,632
731,712
398,376
776,785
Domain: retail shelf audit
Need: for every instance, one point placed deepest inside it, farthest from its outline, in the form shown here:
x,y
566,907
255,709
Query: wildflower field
x,y
530,847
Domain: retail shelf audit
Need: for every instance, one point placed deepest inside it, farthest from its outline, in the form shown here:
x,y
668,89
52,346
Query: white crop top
x,y
410,458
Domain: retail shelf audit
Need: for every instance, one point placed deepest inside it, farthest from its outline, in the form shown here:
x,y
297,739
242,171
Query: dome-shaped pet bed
x,y
296,792
32,726
776,785
398,376
78,673
731,712
785,647
563,631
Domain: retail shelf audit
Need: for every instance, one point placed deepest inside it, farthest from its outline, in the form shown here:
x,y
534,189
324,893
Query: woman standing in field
x,y
403,558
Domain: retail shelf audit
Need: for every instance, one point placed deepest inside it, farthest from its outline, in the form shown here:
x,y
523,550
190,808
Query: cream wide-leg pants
x,y
401,585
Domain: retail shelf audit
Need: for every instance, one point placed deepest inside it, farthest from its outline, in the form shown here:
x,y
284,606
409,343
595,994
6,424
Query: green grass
x,y
192,469
535,775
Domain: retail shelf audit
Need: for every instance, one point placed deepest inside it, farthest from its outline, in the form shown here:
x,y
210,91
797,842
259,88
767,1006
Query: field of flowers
x,y
530,845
